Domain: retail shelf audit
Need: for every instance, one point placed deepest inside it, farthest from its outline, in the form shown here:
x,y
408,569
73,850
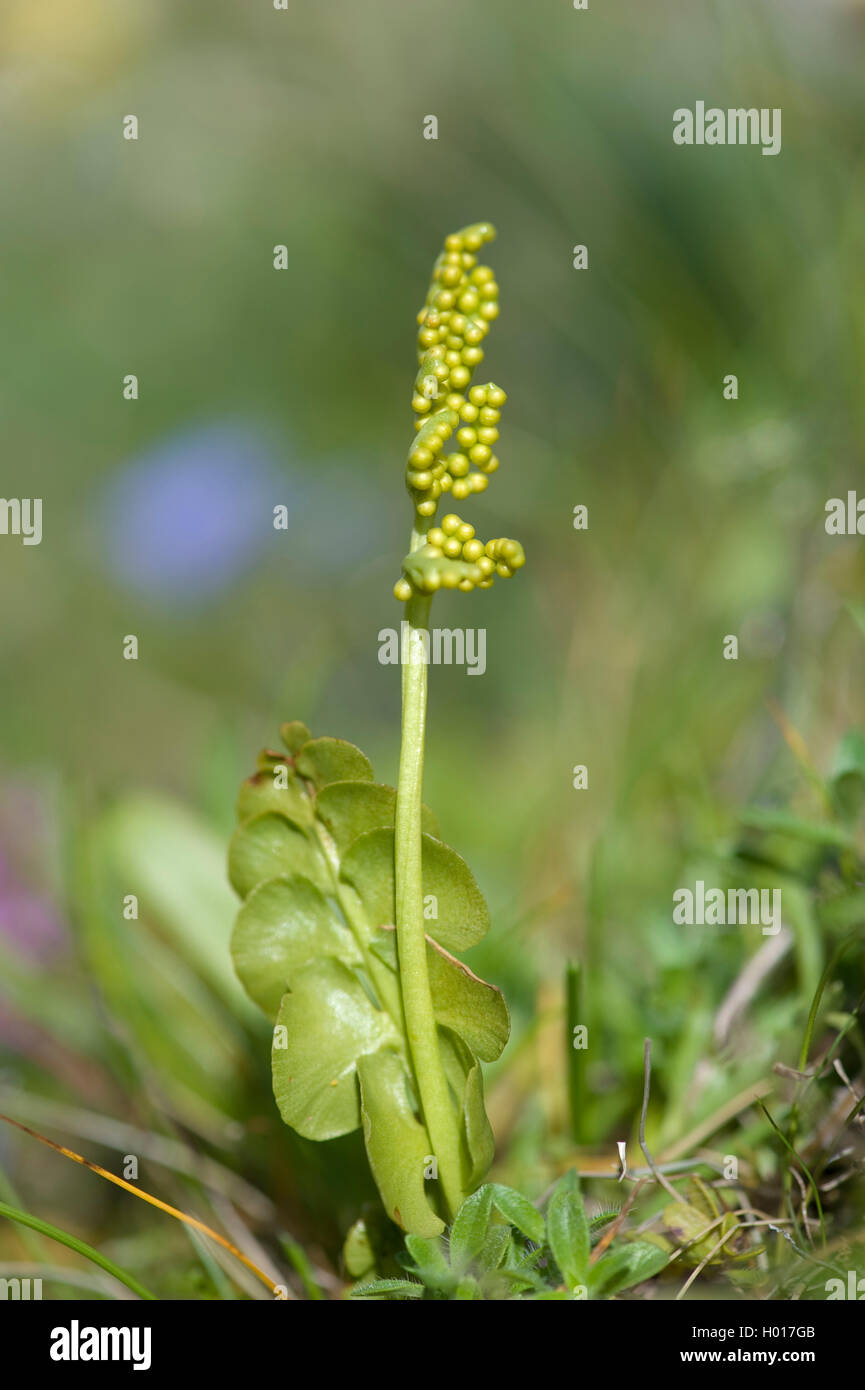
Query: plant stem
x,y
438,1111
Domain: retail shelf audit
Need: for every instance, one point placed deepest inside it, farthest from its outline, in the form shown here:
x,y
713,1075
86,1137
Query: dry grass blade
x,y
168,1152
154,1202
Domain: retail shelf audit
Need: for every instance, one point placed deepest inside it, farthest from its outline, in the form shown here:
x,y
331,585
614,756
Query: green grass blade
x,y
576,1056
805,1169
73,1243
301,1265
824,980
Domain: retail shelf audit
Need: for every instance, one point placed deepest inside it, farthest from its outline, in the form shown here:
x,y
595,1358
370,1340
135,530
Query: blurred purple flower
x,y
30,925
27,920
184,519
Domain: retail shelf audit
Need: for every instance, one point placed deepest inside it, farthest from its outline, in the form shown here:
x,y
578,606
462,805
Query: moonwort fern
x,y
354,909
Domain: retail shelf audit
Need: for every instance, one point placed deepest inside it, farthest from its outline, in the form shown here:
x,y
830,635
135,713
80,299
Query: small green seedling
x,y
502,1247
354,909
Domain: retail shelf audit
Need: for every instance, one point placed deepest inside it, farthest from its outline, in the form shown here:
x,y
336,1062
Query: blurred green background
x,y
260,387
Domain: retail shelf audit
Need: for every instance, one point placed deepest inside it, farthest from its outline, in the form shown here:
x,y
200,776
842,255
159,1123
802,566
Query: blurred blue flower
x,y
181,521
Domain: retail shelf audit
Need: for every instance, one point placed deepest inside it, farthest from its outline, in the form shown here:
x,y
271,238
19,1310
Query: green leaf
x,y
477,1130
624,1267
462,918
469,1231
269,759
799,911
397,1144
382,1288
507,1283
430,1264
325,1023
467,1004
285,924
519,1211
689,1222
521,1274
848,777
148,845
260,793
467,1289
465,1079
314,860
427,1254
496,1247
350,809
685,1222
568,1231
294,735
269,846
783,823
526,1260
357,1251
462,1001
325,760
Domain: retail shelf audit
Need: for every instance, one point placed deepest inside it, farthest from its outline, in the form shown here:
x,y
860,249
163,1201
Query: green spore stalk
x,y
461,303
376,1022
